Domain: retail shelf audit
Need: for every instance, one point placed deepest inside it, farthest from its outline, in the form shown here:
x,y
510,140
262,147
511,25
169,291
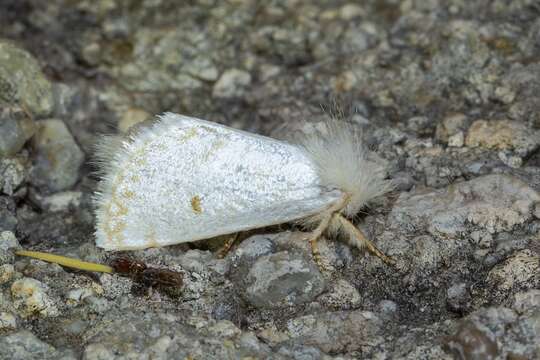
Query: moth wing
x,y
186,179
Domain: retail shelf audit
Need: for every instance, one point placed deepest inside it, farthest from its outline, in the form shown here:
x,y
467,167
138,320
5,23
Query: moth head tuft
x,y
344,163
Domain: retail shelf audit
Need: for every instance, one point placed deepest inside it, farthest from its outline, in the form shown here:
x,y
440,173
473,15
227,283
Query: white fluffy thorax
x,y
344,163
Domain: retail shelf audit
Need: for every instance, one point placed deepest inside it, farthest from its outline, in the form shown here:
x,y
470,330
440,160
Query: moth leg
x,y
361,241
224,250
314,236
326,219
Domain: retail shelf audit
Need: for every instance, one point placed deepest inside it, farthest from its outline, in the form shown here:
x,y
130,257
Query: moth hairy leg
x,y
360,240
314,236
325,220
224,250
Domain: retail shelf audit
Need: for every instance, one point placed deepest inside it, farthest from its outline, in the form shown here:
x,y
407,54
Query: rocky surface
x,y
446,92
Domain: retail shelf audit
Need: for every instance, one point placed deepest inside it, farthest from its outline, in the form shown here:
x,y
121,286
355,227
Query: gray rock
x,y
252,248
495,333
283,279
22,82
388,308
8,220
12,174
519,272
8,241
301,352
503,135
24,345
142,69
287,44
526,301
164,336
341,295
7,272
60,201
8,321
458,297
451,126
16,127
30,298
343,331
58,157
232,83
494,203
537,210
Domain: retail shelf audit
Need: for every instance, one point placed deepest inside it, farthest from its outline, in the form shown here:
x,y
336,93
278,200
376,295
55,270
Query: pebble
x,y
336,332
60,201
473,342
341,295
30,298
448,211
456,140
521,271
12,174
8,219
8,242
23,345
458,297
503,135
22,82
526,301
58,157
387,308
510,159
8,321
16,127
232,83
75,296
451,126
283,279
536,211
351,11
7,272
131,117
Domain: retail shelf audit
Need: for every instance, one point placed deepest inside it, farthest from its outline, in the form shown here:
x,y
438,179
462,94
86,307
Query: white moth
x,y
183,179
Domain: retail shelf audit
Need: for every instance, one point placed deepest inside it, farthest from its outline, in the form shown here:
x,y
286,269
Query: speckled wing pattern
x,y
185,179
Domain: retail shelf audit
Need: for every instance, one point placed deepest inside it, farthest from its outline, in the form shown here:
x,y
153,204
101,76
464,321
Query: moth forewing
x,y
185,179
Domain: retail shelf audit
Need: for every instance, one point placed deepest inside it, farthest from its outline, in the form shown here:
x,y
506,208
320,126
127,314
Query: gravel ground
x,y
446,92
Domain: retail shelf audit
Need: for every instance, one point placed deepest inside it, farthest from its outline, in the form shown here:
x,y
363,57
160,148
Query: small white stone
x,y
225,328
61,201
75,296
132,117
232,83
350,11
457,140
510,160
30,298
8,241
536,211
7,271
8,321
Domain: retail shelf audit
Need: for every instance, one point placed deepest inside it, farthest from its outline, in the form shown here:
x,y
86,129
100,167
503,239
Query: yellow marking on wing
x,y
196,204
150,238
128,194
216,145
189,134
